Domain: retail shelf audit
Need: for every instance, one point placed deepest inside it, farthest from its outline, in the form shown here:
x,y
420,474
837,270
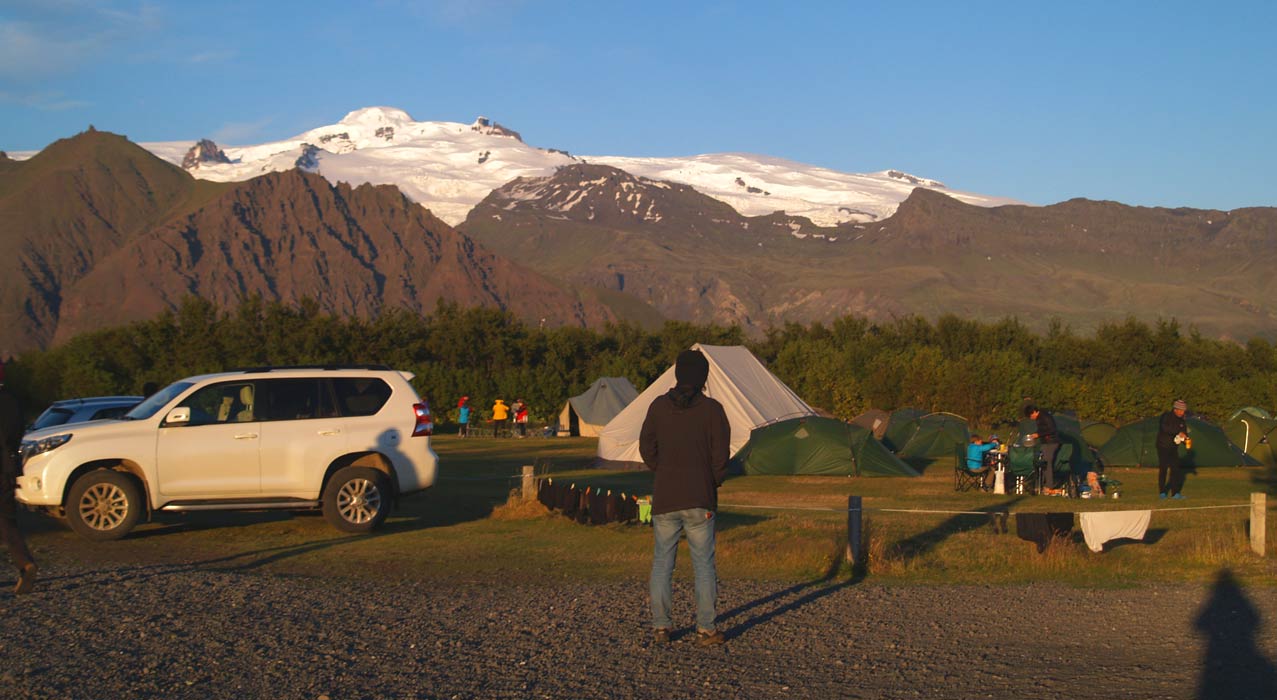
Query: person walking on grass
x,y
11,429
1172,430
684,440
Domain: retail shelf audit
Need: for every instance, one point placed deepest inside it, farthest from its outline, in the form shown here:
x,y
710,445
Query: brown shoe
x,y
26,580
709,639
660,637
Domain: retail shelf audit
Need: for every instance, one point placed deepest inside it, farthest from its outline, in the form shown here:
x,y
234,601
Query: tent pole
x,y
854,531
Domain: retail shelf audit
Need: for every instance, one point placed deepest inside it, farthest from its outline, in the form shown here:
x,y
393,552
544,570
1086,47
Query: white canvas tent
x,y
750,394
586,414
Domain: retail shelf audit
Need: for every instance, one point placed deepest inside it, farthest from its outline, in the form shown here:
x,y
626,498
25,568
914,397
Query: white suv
x,y
346,440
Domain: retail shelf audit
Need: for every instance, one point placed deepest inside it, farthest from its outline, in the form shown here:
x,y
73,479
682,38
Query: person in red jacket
x,y
686,441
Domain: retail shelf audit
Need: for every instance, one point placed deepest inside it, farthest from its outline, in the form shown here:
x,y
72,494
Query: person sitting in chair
x,y
976,452
1048,437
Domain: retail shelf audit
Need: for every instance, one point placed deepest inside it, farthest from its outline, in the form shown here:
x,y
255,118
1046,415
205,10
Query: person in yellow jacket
x,y
500,413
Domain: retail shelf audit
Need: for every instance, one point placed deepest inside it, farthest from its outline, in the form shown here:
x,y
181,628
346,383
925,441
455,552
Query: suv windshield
x,y
156,401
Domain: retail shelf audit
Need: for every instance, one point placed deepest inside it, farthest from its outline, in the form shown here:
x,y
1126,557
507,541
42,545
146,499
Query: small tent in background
x,y
1253,411
936,435
1096,433
1254,435
900,427
1134,446
817,445
586,414
874,420
750,394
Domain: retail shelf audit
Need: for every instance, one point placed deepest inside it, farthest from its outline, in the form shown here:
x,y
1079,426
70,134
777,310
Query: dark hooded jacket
x,y
686,440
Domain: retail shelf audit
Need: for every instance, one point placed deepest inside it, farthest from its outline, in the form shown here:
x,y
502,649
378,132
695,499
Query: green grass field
x,y
770,528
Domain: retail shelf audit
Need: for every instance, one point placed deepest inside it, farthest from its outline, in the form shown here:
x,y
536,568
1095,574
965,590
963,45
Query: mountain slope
x,y
64,210
291,235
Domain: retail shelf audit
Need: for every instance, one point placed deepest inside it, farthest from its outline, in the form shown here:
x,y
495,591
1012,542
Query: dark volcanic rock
x,y
204,151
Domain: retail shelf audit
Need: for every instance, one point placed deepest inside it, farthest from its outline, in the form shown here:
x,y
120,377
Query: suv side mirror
x,y
178,416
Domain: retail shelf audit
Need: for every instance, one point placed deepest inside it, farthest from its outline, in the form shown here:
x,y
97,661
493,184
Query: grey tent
x,y
586,414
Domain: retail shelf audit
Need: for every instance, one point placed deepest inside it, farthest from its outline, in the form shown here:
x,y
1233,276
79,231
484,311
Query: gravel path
x,y
200,631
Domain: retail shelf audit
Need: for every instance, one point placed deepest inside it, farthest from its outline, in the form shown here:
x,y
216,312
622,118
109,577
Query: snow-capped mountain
x,y
449,167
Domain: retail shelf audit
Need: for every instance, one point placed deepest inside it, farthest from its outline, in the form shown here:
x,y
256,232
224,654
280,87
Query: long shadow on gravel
x,y
797,596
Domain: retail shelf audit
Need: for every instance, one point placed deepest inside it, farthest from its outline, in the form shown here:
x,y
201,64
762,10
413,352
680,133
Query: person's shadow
x,y
1234,667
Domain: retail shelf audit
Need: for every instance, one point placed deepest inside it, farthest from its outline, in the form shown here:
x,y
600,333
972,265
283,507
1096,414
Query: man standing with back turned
x,y
685,441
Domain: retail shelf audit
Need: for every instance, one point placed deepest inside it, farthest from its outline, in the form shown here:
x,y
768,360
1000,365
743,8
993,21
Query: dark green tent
x,y
936,435
1254,435
1096,433
1133,446
1254,411
815,445
901,427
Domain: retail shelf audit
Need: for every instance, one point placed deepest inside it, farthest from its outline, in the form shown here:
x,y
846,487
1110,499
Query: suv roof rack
x,y
274,368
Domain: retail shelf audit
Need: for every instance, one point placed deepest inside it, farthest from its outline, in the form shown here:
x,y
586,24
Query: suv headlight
x,y
31,448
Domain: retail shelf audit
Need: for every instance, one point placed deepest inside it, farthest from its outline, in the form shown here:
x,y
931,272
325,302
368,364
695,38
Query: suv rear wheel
x,y
104,505
357,499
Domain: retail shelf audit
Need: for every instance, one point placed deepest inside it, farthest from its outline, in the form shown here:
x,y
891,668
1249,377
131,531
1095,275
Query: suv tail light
x,y
425,424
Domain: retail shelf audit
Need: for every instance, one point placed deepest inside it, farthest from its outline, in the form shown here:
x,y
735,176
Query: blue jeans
x,y
698,523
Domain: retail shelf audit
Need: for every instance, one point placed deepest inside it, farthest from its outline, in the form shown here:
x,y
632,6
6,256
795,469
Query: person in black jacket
x,y
11,429
1171,431
1048,437
685,441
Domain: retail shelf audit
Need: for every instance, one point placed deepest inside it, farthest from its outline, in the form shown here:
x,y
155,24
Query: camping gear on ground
x,y
587,413
1100,527
1000,470
645,510
816,445
1134,446
750,394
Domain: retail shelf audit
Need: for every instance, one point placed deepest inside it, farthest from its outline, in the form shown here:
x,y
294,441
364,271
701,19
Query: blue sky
x,y
1152,103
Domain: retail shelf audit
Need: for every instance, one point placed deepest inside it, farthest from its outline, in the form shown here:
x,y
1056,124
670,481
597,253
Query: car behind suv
x,y
80,410
345,440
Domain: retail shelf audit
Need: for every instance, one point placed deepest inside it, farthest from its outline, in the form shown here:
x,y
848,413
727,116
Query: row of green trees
x,y
979,370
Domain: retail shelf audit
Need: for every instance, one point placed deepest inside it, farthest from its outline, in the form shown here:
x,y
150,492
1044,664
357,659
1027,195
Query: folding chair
x,y
965,479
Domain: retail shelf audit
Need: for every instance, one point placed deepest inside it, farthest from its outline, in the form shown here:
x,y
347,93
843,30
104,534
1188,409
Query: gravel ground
x,y
198,630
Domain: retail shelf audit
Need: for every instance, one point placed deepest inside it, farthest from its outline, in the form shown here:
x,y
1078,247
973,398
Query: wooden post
x,y
1258,522
529,483
854,533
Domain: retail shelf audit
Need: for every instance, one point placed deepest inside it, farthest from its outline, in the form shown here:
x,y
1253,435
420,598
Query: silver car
x,y
81,410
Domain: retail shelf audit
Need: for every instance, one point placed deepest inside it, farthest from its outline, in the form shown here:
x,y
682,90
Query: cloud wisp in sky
x,y
39,40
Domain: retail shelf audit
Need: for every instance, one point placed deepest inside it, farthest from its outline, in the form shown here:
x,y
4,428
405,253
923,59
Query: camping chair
x,y
965,479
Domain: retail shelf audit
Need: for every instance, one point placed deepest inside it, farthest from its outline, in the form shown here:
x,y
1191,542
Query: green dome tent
x,y
1254,411
874,420
1096,433
1133,446
937,435
1254,435
815,445
902,425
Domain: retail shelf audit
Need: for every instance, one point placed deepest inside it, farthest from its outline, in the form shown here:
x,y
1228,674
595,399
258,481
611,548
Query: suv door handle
x,y
246,436
330,432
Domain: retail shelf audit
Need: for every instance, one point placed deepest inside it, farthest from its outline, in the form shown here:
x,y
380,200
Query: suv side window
x,y
113,412
358,396
295,399
231,402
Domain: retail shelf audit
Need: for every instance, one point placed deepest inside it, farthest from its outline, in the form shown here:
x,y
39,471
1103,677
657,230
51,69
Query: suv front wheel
x,y
357,499
103,505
